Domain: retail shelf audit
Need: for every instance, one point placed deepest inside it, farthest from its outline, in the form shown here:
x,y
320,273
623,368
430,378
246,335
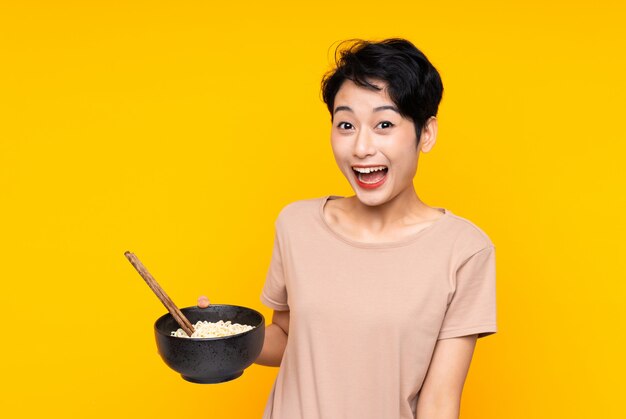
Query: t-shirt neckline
x,y
403,242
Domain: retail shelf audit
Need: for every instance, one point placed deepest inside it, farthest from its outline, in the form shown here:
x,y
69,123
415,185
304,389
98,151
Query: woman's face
x,y
370,135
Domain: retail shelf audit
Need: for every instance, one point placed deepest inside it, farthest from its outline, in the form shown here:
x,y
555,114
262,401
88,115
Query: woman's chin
x,y
370,198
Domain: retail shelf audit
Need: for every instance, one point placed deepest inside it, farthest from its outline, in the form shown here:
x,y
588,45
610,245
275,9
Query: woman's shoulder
x,y
300,209
468,232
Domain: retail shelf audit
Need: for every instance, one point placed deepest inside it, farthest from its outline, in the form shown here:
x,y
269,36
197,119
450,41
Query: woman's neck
x,y
405,209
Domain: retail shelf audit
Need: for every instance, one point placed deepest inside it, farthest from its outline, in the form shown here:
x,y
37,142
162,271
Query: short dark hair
x,y
413,83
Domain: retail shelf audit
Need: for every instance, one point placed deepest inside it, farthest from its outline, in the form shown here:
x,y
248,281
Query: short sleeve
x,y
472,309
274,294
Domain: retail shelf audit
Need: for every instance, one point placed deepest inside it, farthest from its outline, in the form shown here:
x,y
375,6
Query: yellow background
x,y
178,130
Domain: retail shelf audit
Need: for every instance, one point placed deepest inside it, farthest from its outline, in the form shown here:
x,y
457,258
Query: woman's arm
x,y
275,336
440,397
275,340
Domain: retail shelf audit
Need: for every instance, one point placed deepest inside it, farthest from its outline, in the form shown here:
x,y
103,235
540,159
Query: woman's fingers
x,y
203,301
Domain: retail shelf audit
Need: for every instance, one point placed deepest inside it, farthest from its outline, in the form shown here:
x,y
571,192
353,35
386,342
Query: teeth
x,y
368,169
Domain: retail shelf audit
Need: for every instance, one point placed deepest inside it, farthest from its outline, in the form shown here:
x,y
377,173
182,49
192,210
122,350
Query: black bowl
x,y
211,360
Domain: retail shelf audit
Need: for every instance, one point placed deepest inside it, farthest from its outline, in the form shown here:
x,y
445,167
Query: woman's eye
x,y
385,124
344,125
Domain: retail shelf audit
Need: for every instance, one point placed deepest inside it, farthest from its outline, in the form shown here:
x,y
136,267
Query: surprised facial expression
x,y
374,146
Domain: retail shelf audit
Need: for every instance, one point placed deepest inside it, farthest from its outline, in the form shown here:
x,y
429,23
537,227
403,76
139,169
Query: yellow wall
x,y
178,130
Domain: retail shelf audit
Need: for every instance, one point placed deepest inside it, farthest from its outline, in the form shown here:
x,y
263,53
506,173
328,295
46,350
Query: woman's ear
x,y
429,135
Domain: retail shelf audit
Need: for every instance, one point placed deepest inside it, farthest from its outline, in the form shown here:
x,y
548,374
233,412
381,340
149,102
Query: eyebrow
x,y
377,109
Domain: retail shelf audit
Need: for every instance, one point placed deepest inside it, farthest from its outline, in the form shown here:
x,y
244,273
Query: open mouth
x,y
370,175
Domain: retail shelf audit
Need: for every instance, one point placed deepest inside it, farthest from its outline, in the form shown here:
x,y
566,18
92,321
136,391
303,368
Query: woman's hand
x,y
203,301
275,336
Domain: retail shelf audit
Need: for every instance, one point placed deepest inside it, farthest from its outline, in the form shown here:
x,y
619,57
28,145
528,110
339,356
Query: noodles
x,y
205,329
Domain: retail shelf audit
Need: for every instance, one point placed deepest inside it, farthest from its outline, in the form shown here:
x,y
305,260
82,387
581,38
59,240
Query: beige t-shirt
x,y
365,317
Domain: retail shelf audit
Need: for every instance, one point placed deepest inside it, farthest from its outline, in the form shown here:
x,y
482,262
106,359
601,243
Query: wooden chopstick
x,y
156,288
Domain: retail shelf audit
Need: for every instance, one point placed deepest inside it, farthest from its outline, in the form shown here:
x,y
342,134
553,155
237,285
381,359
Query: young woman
x,y
378,297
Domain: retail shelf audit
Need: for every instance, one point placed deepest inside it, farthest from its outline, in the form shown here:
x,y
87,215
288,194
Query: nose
x,y
364,144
